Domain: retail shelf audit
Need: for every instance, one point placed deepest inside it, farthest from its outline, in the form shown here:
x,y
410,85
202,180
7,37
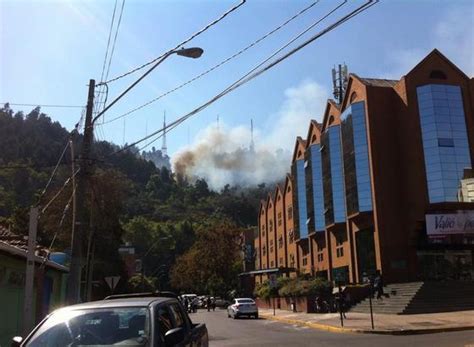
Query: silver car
x,y
242,307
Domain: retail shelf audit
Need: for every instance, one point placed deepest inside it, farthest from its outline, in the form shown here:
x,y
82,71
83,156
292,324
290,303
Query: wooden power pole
x,y
77,244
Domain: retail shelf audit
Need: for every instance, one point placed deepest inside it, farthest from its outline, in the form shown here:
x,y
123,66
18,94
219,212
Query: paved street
x,y
225,331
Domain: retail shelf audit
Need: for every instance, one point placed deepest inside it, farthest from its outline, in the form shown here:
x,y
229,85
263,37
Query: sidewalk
x,y
384,323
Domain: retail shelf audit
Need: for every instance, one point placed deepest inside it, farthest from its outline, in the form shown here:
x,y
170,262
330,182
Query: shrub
x,y
303,287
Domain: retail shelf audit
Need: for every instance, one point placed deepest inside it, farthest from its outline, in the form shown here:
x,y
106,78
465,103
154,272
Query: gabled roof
x,y
278,189
287,182
263,205
300,144
437,53
270,200
332,108
316,127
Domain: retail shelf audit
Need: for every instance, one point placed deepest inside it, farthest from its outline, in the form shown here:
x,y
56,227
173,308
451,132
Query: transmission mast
x,y
339,82
252,144
164,148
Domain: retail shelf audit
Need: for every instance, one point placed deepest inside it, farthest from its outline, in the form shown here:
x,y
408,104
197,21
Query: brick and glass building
x,y
384,183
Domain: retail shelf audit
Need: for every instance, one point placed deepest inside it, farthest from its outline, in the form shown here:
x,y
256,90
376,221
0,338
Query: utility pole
x,y
75,269
30,273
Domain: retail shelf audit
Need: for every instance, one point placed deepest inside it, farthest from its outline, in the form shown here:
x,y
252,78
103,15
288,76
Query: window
x,y
305,261
164,322
290,212
270,226
320,257
445,142
279,219
340,252
271,249
264,251
280,242
94,326
292,260
272,264
178,316
291,236
438,74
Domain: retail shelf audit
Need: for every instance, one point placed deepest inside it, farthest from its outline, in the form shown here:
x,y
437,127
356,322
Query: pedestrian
x,y
208,303
378,284
213,303
341,301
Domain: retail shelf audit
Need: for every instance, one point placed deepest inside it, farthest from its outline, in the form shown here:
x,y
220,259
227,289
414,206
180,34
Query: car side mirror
x,y
174,336
16,341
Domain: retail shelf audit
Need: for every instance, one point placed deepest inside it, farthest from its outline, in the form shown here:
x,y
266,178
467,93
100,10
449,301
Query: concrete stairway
x,y
397,297
422,297
442,297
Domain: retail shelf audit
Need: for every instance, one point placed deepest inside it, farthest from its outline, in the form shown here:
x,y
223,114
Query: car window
x,y
126,326
165,323
178,316
245,301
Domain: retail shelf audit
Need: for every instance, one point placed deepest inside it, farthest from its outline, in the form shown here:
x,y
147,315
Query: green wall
x,y
12,277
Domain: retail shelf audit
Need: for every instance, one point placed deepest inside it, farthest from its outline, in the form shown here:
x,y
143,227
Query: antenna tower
x,y
252,144
339,82
164,149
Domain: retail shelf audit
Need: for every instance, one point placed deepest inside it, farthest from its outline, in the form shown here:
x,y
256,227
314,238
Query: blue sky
x,y
50,49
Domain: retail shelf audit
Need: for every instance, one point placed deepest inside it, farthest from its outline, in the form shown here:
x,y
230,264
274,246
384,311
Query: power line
x,y
243,50
43,105
54,172
115,39
108,41
179,45
249,76
59,192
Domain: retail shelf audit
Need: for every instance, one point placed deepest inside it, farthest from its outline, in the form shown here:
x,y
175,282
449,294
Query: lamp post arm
x,y
131,86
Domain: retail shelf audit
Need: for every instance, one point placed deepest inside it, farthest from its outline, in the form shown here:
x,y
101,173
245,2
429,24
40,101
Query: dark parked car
x,y
133,320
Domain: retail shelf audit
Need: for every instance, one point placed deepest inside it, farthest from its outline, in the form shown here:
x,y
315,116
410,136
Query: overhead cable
x,y
178,45
43,105
249,76
217,65
59,192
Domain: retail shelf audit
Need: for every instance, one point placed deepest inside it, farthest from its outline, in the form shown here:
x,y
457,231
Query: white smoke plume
x,y
223,155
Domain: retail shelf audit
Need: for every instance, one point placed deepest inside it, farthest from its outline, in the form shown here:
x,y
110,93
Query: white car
x,y
242,307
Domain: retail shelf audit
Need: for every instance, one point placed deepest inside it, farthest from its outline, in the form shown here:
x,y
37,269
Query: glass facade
x,y
445,141
314,179
333,180
356,159
300,191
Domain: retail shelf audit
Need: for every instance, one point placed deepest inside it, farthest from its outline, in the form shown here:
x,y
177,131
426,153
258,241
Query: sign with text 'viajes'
x,y
461,222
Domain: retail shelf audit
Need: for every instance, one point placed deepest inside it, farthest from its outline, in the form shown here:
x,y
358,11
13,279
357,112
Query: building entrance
x,y
365,253
445,265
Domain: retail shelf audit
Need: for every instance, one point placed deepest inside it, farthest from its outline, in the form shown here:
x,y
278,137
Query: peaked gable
x,y
314,133
332,115
300,146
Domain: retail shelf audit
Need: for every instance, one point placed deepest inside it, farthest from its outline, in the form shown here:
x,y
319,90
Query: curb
x,y
334,329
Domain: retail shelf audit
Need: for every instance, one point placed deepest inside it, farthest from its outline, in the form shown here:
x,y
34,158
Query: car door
x,y
169,315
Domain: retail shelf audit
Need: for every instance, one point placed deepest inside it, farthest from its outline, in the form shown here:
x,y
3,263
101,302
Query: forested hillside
x,y
128,197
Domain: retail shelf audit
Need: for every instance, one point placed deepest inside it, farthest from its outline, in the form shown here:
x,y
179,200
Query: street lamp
x,y
193,52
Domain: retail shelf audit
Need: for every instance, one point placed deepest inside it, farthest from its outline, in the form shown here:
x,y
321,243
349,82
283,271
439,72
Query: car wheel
x,y
256,316
234,316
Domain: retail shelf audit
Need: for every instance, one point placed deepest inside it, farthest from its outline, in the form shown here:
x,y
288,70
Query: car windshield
x,y
94,327
245,301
